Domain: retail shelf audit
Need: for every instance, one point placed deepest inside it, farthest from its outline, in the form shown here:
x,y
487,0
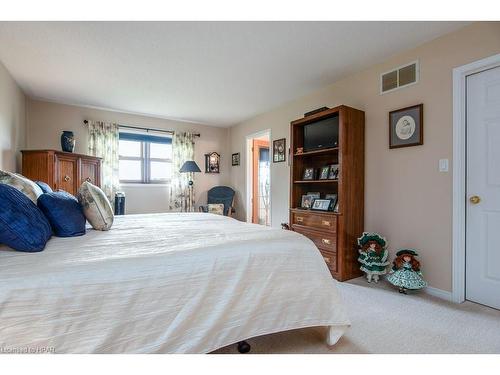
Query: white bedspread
x,y
165,283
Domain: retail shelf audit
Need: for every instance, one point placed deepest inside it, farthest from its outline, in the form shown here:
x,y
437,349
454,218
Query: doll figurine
x,y
373,255
405,273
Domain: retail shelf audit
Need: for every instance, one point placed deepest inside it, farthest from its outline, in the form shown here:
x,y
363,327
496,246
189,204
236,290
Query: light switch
x,y
443,165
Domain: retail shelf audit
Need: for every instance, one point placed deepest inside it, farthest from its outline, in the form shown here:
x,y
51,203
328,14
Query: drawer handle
x,y
299,219
326,223
88,179
67,178
327,260
326,241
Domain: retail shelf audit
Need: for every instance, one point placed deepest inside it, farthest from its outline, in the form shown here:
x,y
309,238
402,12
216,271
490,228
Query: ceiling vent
x,y
399,77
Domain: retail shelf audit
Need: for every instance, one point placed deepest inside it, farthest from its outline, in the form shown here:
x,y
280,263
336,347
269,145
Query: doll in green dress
x,y
373,255
405,273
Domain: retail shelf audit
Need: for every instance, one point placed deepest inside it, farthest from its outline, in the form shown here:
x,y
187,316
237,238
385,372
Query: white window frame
x,y
145,160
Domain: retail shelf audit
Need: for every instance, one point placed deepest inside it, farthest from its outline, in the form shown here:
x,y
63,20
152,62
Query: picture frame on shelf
x,y
314,194
336,207
333,197
279,150
309,174
323,174
406,127
333,172
307,201
235,159
322,205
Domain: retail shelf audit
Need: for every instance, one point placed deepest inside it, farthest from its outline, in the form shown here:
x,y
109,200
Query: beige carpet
x,y
384,321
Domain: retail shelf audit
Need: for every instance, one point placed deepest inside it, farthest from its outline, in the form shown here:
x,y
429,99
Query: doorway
x,y
476,271
259,176
482,248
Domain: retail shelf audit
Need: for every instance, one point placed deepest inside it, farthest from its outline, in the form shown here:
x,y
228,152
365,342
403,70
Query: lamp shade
x,y
190,166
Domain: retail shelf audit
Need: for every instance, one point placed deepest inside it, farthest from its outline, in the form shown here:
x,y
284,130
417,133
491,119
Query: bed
x,y
165,283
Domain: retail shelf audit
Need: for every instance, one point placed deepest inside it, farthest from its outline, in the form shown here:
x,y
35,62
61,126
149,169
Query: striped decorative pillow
x,y
96,206
21,183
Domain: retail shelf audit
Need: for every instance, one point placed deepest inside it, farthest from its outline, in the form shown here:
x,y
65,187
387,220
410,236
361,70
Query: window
x,y
144,158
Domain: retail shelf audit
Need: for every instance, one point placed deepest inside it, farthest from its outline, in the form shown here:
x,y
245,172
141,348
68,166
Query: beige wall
x,y
12,122
407,199
46,121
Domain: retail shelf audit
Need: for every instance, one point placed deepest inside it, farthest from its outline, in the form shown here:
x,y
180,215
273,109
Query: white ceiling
x,y
218,73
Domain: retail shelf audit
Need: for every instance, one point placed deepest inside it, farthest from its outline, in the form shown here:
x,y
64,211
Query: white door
x,y
483,188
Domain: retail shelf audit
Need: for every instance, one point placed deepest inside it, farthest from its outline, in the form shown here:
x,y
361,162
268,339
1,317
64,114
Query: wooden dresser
x,y
334,233
61,170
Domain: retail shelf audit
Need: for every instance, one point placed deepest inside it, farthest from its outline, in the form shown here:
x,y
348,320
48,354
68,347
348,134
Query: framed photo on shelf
x,y
336,208
308,174
333,197
307,201
314,194
322,205
406,127
235,159
323,175
279,150
333,173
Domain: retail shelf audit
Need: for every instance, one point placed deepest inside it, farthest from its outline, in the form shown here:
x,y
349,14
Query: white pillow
x,y
21,183
96,206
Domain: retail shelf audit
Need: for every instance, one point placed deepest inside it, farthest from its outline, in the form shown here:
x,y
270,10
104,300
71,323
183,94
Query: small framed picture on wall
x,y
279,150
406,127
235,159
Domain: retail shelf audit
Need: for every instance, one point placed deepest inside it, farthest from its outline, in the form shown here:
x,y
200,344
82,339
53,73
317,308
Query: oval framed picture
x,y
406,127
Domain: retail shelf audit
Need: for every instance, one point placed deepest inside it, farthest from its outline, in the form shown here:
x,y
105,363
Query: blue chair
x,y
220,194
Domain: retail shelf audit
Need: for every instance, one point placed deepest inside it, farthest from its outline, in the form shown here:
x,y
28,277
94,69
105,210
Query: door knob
x,y
475,199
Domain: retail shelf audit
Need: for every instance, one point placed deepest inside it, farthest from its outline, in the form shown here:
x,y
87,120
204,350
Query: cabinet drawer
x,y
323,240
330,259
317,221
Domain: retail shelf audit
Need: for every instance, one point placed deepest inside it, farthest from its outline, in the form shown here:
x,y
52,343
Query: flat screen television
x,y
321,134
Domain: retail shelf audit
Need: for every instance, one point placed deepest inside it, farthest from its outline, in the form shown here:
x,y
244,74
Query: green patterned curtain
x,y
103,142
181,196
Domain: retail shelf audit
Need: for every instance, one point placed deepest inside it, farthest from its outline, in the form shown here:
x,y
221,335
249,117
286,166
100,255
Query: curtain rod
x,y
146,129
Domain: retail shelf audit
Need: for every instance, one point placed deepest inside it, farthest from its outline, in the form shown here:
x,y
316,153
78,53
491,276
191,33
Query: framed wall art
x,y
279,150
235,159
212,162
406,127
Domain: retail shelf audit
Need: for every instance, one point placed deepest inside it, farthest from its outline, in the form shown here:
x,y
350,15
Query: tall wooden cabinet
x,y
61,170
334,233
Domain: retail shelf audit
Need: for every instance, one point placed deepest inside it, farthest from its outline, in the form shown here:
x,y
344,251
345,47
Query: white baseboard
x,y
439,293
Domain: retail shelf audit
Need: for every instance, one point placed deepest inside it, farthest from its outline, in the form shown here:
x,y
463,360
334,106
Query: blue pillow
x,y
23,226
45,187
64,213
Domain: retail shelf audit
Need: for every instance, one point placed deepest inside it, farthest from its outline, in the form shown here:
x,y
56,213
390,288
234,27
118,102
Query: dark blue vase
x,y
68,141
